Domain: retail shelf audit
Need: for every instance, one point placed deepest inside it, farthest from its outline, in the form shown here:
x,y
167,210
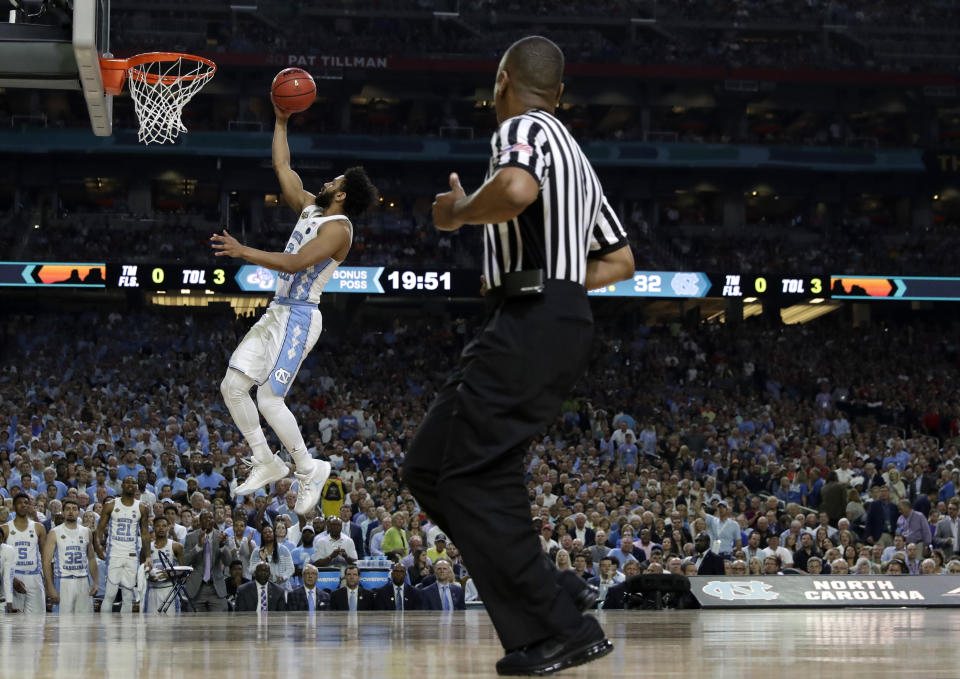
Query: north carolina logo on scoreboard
x,y
752,590
685,285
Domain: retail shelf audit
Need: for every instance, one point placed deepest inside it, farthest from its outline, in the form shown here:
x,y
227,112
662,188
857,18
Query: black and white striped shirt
x,y
571,218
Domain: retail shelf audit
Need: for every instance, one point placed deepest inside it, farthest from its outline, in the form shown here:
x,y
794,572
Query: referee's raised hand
x,y
444,206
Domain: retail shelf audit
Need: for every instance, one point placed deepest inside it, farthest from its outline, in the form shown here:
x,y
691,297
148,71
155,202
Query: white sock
x,y
236,394
285,426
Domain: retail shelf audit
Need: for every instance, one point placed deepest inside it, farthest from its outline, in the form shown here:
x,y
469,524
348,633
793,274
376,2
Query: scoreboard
x,y
452,282
370,280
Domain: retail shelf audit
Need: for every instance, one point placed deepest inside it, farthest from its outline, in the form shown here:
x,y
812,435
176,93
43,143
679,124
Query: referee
x,y
549,235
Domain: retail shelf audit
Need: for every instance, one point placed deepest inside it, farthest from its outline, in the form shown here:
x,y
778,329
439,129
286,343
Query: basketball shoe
x,y
262,475
310,485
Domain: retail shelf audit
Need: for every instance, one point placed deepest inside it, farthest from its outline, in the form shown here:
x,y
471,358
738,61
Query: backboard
x,y
61,55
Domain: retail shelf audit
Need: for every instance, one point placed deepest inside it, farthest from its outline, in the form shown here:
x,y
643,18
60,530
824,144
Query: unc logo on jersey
x,y
282,376
754,590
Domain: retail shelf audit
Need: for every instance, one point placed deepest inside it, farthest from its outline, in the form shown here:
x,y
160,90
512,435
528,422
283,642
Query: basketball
x,y
293,90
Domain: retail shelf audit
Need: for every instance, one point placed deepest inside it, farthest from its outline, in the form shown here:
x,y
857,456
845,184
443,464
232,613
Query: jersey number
x,y
73,558
23,553
125,530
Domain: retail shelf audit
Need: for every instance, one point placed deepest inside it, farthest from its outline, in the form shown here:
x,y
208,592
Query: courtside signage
x,y
779,591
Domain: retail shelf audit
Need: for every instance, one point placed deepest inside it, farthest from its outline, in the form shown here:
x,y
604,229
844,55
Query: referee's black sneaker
x,y
584,595
551,655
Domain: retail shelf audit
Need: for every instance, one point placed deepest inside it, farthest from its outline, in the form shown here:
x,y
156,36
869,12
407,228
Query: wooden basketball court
x,y
781,643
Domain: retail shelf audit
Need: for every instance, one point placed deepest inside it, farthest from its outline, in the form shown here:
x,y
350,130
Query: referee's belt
x,y
529,283
289,301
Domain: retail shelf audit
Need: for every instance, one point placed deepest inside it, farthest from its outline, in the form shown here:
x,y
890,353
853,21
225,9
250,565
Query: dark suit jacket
x,y
297,599
220,558
357,535
247,597
431,598
589,537
876,515
384,598
338,599
616,597
712,564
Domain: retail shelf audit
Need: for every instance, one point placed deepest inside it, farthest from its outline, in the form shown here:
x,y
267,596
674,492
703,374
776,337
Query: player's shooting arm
x,y
332,238
290,182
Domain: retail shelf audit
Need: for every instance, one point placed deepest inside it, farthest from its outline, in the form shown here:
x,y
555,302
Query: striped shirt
x,y
571,219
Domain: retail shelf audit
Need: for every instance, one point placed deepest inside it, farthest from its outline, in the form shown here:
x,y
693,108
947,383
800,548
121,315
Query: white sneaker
x,y
310,485
262,475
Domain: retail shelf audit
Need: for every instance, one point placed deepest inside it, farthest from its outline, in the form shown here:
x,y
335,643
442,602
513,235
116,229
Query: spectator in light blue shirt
x,y
130,466
177,485
50,479
724,531
209,479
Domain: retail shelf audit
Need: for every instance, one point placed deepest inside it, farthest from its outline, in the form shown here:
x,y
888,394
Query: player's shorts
x,y
74,595
35,599
122,571
276,345
157,594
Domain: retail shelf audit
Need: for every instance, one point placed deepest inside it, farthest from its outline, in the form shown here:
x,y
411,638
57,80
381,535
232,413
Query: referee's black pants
x,y
465,464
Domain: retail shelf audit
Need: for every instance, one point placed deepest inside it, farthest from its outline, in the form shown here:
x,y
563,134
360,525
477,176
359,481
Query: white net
x,y
160,90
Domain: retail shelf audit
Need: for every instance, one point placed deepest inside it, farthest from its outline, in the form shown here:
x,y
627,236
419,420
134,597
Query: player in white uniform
x,y
271,353
69,564
24,537
128,521
158,584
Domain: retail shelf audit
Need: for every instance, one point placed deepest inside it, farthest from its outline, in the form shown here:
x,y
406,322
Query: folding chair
x,y
178,577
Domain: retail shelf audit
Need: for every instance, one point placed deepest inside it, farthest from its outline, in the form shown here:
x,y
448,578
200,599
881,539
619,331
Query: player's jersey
x,y
123,537
308,284
155,555
26,546
70,559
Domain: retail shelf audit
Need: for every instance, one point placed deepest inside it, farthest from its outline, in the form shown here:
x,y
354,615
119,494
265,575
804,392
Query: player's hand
x,y
444,205
93,589
19,587
226,245
282,116
53,595
102,555
11,609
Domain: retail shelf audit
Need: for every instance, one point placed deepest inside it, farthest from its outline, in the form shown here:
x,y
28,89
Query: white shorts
x,y
157,594
35,600
122,571
74,596
276,345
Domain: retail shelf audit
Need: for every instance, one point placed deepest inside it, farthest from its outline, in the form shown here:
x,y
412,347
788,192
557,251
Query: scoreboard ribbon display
x,y
438,282
369,280
61,274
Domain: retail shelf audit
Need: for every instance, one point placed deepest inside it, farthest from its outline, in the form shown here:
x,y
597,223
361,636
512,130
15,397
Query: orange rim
x,y
114,71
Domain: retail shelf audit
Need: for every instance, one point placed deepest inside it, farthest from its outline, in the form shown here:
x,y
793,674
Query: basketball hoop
x,y
161,84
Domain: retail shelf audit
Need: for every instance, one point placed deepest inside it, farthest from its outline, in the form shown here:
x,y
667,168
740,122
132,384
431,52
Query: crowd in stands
x,y
694,32
854,245
768,447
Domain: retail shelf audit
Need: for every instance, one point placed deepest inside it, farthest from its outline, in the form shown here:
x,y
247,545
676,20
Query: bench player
x,y
271,353
128,523
24,536
69,564
158,584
